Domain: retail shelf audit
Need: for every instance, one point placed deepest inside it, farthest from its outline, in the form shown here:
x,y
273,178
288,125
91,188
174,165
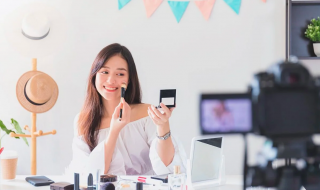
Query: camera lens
x,y
293,78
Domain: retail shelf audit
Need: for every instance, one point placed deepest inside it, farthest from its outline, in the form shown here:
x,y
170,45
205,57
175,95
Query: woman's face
x,y
110,77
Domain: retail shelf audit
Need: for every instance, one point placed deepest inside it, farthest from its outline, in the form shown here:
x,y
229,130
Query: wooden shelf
x,y
300,14
305,58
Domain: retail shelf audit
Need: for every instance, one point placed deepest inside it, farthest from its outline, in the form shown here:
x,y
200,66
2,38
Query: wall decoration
x,y
122,3
35,30
151,6
234,4
205,6
178,8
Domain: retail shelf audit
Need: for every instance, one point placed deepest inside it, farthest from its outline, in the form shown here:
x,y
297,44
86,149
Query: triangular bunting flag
x,y
122,3
178,8
151,6
234,4
264,1
205,7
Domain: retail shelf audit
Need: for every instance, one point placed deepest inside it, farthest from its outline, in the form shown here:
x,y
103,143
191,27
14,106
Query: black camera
x,y
282,104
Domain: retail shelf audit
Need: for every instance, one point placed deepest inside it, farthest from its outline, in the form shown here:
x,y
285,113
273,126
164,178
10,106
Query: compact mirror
x,y
168,97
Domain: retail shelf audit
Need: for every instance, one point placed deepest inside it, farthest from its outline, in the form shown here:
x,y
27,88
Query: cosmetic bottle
x,y
176,180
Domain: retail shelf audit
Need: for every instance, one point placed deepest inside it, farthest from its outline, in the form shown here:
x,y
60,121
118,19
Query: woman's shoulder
x,y
139,111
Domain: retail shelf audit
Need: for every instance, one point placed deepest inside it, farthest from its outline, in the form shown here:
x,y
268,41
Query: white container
x,y
316,49
9,160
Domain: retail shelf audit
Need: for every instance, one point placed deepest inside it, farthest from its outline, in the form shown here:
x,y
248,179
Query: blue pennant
x,y
178,8
234,4
122,3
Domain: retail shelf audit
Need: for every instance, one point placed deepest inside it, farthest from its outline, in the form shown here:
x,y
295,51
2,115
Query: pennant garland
x,y
151,6
122,3
234,4
205,6
178,8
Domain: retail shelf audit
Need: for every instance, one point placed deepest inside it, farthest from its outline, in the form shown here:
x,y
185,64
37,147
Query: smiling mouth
x,y
110,89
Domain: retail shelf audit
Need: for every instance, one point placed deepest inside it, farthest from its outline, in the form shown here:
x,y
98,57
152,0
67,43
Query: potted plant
x,y
14,129
313,33
9,158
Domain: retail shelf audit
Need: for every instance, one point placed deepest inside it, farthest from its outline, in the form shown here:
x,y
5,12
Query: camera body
x,y
282,104
285,102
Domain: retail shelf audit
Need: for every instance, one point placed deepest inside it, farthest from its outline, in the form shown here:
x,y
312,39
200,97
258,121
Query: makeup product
x,y
168,98
123,91
108,178
39,180
144,179
90,182
163,178
76,181
139,186
61,186
150,181
107,186
176,180
97,180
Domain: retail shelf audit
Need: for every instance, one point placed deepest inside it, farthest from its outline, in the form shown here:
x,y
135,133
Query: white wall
x,y
194,56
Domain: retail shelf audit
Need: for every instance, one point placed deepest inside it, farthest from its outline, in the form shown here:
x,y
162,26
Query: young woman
x,y
132,145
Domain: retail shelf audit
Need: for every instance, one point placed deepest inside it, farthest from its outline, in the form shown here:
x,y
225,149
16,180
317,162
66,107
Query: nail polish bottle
x,y
176,180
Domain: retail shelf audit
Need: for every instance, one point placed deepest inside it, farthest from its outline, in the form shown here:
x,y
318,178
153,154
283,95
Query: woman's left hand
x,y
158,118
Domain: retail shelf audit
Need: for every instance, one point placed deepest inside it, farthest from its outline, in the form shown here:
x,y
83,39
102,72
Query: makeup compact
x,y
168,98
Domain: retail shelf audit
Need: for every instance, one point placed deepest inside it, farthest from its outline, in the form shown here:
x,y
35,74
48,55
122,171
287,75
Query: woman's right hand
x,y
116,124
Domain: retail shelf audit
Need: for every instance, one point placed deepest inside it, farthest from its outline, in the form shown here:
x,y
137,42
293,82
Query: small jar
x,y
108,178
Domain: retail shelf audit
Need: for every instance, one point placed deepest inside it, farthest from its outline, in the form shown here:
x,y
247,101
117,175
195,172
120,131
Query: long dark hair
x,y
92,110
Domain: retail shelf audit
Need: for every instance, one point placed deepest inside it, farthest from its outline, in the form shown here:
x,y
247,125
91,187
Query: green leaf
x,y
19,130
4,128
313,30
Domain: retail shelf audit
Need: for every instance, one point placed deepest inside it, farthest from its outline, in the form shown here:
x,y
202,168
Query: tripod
x,y
300,166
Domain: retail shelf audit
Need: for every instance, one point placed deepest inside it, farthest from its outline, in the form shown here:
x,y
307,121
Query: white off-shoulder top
x,y
135,152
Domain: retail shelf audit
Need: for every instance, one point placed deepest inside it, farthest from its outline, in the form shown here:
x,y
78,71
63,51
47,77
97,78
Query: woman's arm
x,y
109,146
165,148
115,127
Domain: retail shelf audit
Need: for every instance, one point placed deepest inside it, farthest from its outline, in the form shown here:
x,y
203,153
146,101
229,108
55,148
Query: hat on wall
x,y
35,29
36,91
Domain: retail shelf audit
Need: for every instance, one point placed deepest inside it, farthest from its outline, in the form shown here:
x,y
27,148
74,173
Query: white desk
x,y
233,183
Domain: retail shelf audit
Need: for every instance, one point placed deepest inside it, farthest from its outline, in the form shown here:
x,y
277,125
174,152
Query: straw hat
x,y
35,29
36,91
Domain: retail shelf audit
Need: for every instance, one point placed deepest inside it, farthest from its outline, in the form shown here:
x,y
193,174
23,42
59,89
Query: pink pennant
x,y
205,7
264,1
151,6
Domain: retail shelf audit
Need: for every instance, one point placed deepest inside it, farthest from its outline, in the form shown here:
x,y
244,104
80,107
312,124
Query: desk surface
x,y
233,183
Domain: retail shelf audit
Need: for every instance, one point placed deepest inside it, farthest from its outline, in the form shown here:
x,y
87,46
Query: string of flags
x,y
179,7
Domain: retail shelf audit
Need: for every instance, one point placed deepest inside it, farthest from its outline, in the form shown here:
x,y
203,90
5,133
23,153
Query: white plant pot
x,y
316,49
